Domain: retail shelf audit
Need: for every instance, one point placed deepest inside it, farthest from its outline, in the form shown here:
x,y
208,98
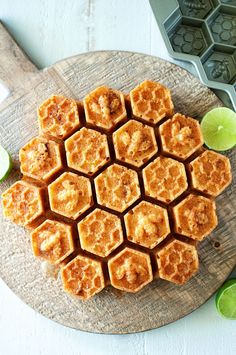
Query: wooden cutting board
x,y
110,312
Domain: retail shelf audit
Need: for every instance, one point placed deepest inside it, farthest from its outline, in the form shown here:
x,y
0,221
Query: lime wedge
x,y
226,299
219,128
5,164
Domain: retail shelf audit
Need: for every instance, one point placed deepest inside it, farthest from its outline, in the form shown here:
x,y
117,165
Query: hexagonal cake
x,y
117,190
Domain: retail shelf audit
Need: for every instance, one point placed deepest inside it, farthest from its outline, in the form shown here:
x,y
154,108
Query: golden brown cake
x,y
70,195
83,277
117,187
135,143
165,179
147,224
211,173
52,241
130,270
23,203
58,116
177,261
104,107
195,217
151,101
181,136
40,159
100,232
124,190
87,151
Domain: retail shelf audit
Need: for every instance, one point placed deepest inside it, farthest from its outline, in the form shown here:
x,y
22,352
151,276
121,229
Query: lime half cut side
x,y
5,164
219,129
226,300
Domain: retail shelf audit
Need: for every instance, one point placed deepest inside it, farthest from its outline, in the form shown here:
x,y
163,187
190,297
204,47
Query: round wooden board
x,y
109,312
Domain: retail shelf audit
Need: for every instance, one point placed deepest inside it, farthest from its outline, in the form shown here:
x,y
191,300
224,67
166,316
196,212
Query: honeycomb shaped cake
x,y
117,190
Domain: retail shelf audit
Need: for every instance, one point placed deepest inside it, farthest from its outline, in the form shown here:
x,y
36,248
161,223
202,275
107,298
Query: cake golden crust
x,y
165,179
181,136
100,232
195,217
124,188
52,241
211,173
58,116
130,270
22,203
147,224
117,187
104,107
135,143
83,277
177,262
70,195
40,158
151,101
87,151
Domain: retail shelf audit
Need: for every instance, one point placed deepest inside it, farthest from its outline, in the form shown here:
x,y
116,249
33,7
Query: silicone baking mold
x,y
202,32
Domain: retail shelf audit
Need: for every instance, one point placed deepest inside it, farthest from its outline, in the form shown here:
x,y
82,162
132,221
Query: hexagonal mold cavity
x,y
151,101
70,195
58,116
87,151
221,66
104,107
223,26
190,37
130,270
117,187
211,173
197,8
52,241
181,136
100,232
165,179
147,224
40,158
23,203
134,143
195,217
83,277
177,261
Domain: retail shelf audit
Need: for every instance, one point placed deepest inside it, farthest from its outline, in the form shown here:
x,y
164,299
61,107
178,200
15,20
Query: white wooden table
x,y
50,30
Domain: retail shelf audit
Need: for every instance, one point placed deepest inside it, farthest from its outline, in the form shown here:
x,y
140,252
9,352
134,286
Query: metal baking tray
x,y
202,32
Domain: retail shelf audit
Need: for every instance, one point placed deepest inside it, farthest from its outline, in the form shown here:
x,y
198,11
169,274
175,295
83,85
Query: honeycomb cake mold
x,y
202,32
117,190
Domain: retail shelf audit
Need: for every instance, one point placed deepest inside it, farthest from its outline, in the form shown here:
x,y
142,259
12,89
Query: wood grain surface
x,y
109,312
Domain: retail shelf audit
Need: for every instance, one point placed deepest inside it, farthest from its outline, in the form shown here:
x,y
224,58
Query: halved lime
x,y
5,164
219,128
226,299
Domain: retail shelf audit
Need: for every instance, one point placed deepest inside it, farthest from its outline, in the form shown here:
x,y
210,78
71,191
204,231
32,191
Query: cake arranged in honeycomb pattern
x,y
177,261
52,241
117,190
